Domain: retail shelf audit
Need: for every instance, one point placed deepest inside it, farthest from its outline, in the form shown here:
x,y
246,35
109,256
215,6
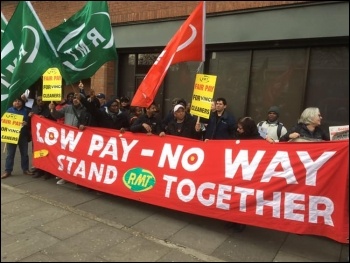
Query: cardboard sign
x,y
11,125
52,85
203,94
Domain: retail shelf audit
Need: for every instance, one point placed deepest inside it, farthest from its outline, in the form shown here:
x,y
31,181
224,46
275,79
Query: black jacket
x,y
154,122
317,134
186,129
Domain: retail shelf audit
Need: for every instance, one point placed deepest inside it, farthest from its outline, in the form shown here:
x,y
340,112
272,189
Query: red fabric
x,y
293,187
186,45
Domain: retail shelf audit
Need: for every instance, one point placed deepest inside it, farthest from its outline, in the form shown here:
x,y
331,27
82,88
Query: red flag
x,y
186,45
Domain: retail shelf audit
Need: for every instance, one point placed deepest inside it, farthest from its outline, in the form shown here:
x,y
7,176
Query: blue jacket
x,y
220,128
25,131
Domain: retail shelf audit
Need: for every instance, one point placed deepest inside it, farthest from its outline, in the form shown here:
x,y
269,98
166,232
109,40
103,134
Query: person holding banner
x,y
184,125
148,122
308,127
75,115
112,117
272,129
41,108
247,129
221,124
24,138
170,116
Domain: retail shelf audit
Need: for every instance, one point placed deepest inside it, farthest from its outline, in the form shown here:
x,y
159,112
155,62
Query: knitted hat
x,y
274,109
110,102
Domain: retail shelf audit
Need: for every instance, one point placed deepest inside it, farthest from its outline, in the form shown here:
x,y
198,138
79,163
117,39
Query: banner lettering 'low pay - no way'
x,y
294,187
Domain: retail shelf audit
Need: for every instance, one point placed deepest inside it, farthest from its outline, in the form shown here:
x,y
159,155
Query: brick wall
x,y
53,13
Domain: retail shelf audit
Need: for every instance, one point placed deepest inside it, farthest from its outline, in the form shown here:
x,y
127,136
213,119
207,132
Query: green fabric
x,y
84,42
25,54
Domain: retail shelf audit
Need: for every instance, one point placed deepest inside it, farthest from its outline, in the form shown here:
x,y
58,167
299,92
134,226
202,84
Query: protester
x,y
92,100
308,127
24,138
41,109
148,122
112,117
247,129
64,103
221,124
125,104
135,112
170,115
184,125
75,115
102,98
272,129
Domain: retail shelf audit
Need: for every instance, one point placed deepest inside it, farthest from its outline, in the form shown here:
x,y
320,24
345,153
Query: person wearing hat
x,y
111,117
24,137
184,125
125,105
272,129
102,98
170,116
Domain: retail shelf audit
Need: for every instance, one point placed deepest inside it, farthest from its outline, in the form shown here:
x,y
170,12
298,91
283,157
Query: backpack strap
x,y
279,129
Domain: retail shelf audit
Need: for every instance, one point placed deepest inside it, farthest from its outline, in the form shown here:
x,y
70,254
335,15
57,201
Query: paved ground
x,y
43,221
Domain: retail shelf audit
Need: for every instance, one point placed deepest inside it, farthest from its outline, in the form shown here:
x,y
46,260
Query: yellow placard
x,y
11,125
52,85
203,94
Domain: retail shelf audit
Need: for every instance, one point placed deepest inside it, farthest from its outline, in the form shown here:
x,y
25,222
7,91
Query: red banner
x,y
293,187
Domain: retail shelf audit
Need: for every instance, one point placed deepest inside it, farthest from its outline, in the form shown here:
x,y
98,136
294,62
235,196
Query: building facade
x,y
293,54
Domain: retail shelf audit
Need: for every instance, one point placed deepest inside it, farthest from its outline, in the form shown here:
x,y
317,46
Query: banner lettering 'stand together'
x,y
294,187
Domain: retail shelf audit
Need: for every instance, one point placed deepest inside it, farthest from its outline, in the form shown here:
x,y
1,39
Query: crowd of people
x,y
81,110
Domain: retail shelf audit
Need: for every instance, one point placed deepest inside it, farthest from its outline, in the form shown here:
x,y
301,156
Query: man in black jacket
x,y
148,122
183,124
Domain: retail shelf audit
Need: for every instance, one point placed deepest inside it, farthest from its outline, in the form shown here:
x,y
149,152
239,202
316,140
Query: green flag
x,y
26,53
3,24
84,42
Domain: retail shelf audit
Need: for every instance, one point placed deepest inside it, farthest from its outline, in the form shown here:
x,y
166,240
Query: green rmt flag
x,y
26,53
3,23
84,42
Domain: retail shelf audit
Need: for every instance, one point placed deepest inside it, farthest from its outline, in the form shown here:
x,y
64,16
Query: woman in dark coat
x,y
308,127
